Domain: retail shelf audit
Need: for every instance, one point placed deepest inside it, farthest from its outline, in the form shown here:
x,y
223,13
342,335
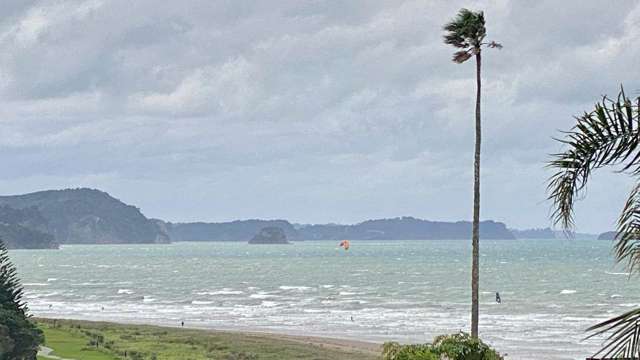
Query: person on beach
x,y
498,299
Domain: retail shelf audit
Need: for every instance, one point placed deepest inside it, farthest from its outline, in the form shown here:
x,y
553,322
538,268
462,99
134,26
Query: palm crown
x,y
467,32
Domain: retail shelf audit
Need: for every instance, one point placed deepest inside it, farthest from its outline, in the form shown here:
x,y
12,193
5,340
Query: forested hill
x,y
87,216
25,229
239,230
405,228
540,233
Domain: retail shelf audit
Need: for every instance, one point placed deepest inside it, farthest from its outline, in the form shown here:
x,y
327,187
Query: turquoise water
x,y
396,290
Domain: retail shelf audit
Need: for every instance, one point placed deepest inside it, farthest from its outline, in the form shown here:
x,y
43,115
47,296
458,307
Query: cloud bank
x,y
315,111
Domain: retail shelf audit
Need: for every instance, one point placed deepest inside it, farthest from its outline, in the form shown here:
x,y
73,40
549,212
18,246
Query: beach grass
x,y
71,344
77,340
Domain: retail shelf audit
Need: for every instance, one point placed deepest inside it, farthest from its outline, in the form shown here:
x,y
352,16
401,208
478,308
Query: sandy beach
x,y
68,339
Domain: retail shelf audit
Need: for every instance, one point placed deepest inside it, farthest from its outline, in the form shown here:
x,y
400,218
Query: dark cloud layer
x,y
314,111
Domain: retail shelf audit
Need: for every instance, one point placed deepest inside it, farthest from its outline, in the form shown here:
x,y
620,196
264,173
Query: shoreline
x,y
324,342
365,343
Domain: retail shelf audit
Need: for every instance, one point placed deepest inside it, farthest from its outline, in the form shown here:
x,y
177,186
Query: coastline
x,y
404,291
319,345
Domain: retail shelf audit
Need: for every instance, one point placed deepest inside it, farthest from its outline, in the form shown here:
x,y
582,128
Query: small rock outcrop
x,y
609,235
270,235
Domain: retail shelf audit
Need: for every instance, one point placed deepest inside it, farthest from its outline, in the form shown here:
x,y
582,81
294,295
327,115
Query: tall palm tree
x,y
609,135
467,32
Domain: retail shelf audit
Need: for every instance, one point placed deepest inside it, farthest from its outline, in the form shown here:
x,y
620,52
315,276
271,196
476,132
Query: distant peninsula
x,y
543,233
25,229
47,219
73,216
548,233
402,228
238,230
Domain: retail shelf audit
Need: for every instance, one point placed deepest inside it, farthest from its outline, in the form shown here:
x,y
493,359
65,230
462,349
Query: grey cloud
x,y
340,110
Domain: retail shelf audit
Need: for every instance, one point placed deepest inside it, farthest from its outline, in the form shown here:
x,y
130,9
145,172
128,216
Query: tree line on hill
x,y
49,218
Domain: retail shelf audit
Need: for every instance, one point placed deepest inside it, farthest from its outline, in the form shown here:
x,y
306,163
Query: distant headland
x,y
48,218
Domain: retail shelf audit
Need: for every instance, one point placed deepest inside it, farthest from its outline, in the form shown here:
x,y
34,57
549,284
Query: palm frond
x,y
461,56
11,292
494,45
623,342
627,246
456,40
466,30
608,135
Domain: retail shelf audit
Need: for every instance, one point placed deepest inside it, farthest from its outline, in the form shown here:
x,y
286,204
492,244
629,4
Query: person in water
x,y
498,299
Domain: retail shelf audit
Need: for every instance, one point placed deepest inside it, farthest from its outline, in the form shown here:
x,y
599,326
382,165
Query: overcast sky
x,y
312,111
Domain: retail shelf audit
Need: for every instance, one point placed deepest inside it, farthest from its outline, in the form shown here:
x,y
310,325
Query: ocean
x,y
407,291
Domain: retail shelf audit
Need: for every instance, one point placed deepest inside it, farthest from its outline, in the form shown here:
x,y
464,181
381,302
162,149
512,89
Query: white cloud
x,y
352,106
227,89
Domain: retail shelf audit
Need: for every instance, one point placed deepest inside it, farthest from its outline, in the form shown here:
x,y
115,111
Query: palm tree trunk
x,y
475,236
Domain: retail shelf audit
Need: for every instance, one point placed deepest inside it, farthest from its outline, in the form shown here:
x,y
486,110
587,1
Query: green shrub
x,y
451,347
395,351
242,356
464,347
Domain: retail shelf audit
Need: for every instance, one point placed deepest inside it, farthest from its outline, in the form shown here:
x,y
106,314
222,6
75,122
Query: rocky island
x,y
609,235
270,235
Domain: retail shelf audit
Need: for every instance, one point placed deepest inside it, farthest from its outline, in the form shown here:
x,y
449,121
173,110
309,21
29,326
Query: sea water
x,y
407,291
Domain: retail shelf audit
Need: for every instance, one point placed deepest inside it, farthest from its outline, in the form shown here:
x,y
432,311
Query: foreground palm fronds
x,y
607,136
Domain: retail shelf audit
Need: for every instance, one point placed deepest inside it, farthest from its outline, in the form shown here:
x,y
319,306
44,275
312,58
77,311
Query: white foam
x,y
346,293
629,305
196,302
261,296
269,304
125,291
89,284
298,288
568,292
224,291
227,292
617,273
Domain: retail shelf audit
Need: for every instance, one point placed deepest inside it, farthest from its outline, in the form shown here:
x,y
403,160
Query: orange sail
x,y
344,244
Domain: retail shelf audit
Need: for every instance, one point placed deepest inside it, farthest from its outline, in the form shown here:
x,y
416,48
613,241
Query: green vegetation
x,y
608,135
453,347
19,337
24,229
87,216
106,341
74,344
467,32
